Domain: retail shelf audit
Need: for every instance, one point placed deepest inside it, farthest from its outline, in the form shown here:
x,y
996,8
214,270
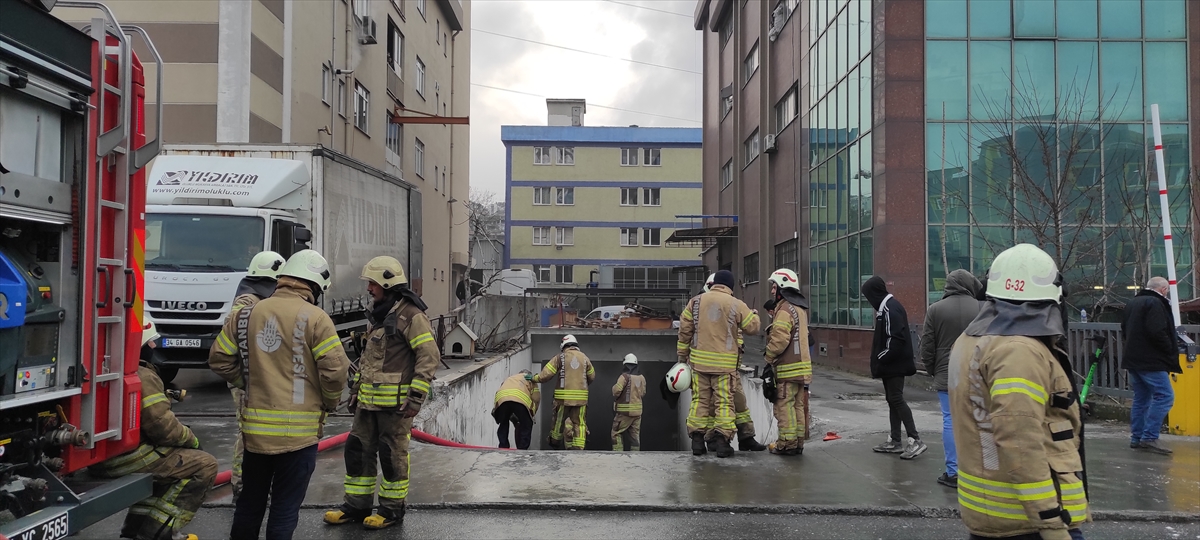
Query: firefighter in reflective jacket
x,y
516,402
171,453
741,409
627,406
787,352
284,352
1014,407
394,373
574,372
708,336
259,283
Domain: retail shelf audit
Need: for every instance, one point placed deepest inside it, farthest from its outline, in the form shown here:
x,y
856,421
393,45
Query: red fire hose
x,y
338,440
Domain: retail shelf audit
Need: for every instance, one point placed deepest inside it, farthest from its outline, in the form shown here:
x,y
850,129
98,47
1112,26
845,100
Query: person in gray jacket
x,y
945,320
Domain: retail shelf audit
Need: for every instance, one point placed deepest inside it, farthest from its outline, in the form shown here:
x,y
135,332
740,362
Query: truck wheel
x,y
167,374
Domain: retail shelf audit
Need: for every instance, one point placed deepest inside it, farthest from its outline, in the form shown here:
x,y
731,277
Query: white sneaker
x,y
913,449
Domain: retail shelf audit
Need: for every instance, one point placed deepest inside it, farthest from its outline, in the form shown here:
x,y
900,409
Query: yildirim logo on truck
x,y
179,178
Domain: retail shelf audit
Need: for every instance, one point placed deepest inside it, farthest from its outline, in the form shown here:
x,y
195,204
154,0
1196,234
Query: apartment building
x,y
597,204
905,139
332,73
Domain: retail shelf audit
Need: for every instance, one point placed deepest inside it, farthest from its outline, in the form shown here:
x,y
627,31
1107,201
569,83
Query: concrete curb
x,y
797,509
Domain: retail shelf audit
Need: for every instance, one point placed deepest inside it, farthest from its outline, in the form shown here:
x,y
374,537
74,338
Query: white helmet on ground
x,y
568,341
709,282
785,279
149,332
679,377
266,264
1024,273
630,359
309,266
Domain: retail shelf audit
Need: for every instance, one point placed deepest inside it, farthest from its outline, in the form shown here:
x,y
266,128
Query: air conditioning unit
x,y
368,31
558,248
769,144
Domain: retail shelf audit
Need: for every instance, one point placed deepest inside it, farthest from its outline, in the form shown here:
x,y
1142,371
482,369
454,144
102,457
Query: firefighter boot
x,y
724,450
711,445
751,445
384,518
698,448
345,514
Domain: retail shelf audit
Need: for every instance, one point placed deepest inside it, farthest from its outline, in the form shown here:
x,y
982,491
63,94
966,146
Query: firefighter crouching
x,y
171,453
284,352
627,406
574,372
258,284
516,402
395,370
1014,407
787,352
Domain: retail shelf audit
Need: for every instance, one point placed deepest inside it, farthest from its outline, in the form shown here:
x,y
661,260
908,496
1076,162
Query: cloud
x,y
611,28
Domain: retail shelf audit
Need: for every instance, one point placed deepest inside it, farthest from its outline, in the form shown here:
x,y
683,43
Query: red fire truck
x,y
72,196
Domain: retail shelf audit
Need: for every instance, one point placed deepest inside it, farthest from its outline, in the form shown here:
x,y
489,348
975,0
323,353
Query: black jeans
x,y
898,411
519,416
283,477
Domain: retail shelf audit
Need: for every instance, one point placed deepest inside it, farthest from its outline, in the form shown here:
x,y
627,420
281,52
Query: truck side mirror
x,y
302,237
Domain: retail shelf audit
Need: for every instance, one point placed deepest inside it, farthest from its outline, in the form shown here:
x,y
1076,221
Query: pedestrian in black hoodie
x,y
892,361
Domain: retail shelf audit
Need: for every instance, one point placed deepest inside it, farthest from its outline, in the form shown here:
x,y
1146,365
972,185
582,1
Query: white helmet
x,y
709,282
679,377
630,359
785,279
309,266
387,272
567,341
266,264
1024,273
149,333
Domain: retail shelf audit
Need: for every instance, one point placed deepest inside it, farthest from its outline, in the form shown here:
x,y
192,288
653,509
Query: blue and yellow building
x,y
582,198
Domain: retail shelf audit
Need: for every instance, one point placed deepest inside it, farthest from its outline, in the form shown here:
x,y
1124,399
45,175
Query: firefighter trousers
x,y
741,411
518,415
570,426
182,477
790,415
378,441
711,412
626,429
235,478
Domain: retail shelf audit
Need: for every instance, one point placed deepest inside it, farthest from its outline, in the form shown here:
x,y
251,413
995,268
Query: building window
x,y
629,196
564,236
650,197
564,155
653,156
750,268
564,273
629,236
750,148
726,30
419,158
727,174
785,110
651,237
541,196
420,85
726,106
436,183
362,107
445,50
541,155
421,8
437,35
443,179
362,8
787,253
543,272
392,142
326,76
564,196
395,48
629,157
750,65
341,97
541,236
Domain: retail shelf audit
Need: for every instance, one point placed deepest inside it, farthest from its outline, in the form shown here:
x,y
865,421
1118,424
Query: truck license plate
x,y
53,528
185,343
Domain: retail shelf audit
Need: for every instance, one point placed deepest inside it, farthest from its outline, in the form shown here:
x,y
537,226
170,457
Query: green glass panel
x,y
1125,174
1033,82
1125,247
946,18
1120,19
1166,79
986,243
1077,19
1165,19
1121,71
1033,18
1078,81
866,256
946,80
990,19
865,96
1175,154
866,171
1035,175
991,83
991,173
946,164
1079,159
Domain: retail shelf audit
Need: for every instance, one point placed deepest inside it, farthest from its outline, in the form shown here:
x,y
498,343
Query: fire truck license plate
x,y
184,343
54,528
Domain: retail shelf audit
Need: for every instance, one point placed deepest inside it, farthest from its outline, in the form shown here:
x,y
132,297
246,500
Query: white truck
x,y
210,208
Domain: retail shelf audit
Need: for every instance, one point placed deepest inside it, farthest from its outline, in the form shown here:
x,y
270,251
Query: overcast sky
x,y
636,30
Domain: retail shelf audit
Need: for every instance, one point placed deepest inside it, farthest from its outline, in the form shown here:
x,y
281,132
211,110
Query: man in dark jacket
x,y
1151,351
892,361
944,322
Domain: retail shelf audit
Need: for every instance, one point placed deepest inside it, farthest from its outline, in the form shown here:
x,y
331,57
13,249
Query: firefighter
x,y
394,373
708,333
284,352
517,402
787,352
574,372
259,283
627,406
170,452
741,409
1014,407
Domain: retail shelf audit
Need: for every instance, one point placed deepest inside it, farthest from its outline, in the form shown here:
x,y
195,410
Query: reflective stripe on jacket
x,y
399,360
787,344
517,389
160,429
574,372
710,329
628,394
